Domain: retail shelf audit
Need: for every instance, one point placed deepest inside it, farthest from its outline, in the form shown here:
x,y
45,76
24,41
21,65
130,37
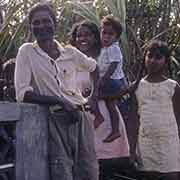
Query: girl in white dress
x,y
156,105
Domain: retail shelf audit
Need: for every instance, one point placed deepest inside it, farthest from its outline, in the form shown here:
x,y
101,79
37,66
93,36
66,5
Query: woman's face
x,y
85,39
42,26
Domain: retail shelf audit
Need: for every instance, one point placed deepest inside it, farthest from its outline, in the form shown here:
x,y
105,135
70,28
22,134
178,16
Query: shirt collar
x,y
116,43
43,53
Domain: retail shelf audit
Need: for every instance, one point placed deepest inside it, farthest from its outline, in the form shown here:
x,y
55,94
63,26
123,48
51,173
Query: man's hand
x,y
68,106
72,110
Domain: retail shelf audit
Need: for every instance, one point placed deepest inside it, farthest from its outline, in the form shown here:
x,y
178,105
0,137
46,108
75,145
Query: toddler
x,y
112,77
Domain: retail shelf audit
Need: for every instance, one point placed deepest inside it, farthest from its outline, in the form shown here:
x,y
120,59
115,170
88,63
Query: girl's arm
x,y
133,125
108,73
176,105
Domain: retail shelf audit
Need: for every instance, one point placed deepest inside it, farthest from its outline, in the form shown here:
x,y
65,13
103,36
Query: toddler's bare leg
x,y
98,117
111,105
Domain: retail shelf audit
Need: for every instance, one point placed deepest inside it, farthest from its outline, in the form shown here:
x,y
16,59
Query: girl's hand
x,y
135,160
133,86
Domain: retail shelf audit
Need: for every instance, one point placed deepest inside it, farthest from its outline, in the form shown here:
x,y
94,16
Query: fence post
x,y
32,143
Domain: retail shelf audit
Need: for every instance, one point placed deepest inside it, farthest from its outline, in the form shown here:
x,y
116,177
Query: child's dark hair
x,y
159,47
42,7
110,20
93,28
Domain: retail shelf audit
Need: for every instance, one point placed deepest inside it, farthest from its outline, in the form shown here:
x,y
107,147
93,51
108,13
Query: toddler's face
x,y
154,62
108,35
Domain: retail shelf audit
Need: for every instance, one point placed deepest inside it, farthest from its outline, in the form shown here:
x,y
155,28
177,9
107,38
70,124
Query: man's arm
x,y
31,97
24,89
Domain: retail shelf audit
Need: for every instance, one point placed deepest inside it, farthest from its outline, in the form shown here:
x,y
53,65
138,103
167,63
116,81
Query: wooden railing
x,y
23,128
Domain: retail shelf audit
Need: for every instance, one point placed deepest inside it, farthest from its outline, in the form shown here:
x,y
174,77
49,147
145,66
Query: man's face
x,y
42,26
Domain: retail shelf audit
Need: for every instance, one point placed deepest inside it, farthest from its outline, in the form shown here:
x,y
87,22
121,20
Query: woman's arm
x,y
126,90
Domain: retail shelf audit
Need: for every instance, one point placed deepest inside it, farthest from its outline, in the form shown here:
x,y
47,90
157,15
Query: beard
x,y
43,34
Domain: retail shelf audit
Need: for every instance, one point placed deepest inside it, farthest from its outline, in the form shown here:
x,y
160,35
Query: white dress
x,y
158,141
115,149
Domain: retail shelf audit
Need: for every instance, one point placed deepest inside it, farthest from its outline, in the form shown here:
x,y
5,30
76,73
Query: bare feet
x,y
112,136
98,120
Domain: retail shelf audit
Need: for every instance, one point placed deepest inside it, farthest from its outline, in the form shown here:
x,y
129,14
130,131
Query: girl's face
x,y
42,26
108,35
155,62
85,39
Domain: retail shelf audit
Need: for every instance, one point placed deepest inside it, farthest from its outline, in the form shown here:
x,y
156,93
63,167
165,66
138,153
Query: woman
x,y
85,36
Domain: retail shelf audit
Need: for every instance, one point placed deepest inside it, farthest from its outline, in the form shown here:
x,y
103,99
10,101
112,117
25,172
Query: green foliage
x,y
142,21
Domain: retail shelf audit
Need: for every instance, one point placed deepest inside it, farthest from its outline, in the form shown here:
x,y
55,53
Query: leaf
x,y
84,11
175,61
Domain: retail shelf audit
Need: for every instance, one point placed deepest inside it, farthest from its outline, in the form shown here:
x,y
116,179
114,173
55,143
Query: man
x,y
45,73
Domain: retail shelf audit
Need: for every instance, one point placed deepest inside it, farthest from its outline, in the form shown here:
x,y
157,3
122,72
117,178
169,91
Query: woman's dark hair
x,y
93,28
110,20
42,7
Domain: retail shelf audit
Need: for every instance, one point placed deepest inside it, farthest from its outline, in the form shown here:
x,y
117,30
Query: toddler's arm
x,y
108,73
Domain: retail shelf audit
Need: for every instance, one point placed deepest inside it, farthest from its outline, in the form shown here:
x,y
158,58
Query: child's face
x,y
108,35
85,39
155,62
